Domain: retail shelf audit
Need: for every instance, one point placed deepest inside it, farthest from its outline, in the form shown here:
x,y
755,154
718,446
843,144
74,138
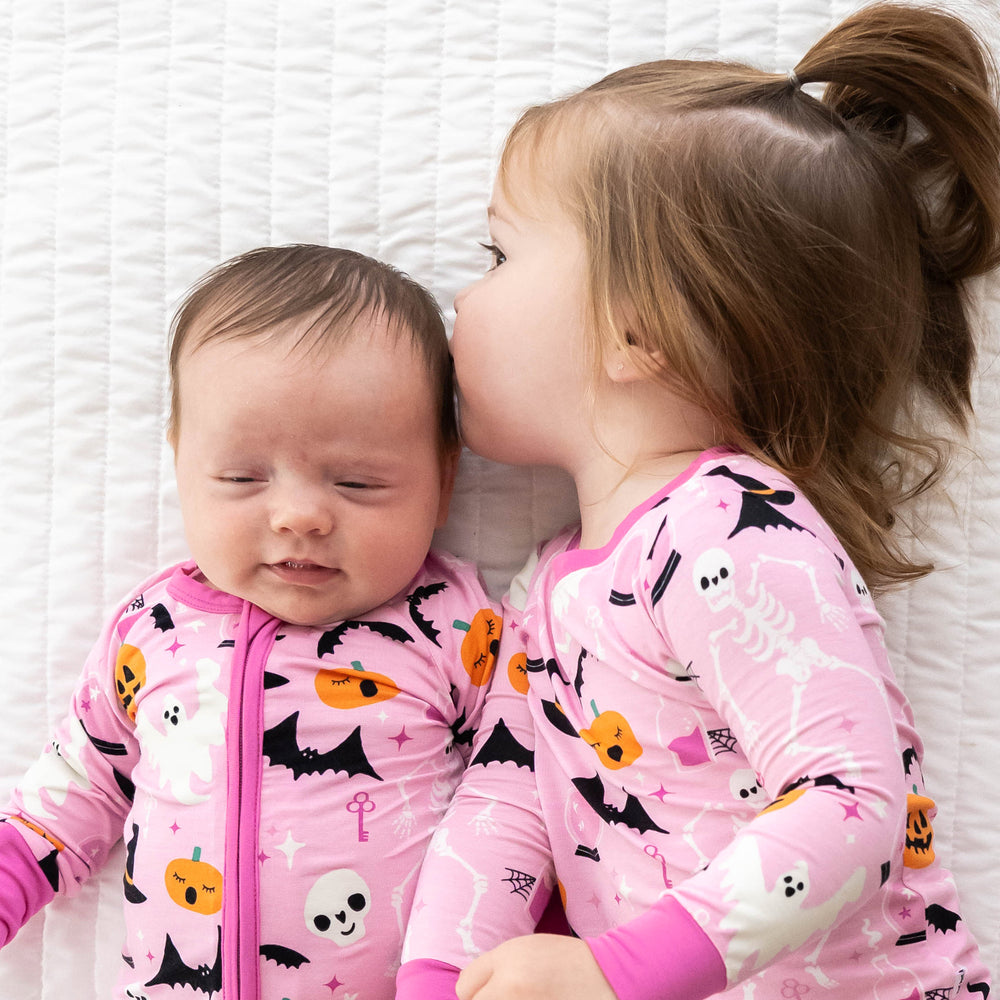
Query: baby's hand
x,y
536,967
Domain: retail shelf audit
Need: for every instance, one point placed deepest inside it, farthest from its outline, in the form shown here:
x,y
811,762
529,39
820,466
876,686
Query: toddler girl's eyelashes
x,y
499,257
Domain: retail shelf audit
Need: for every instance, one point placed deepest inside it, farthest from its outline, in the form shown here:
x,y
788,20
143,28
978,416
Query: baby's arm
x,y
67,811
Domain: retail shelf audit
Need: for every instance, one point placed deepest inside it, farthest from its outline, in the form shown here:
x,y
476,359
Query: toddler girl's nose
x,y
460,297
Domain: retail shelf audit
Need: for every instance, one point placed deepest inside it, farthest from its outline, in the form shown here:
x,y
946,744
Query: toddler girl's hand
x,y
535,967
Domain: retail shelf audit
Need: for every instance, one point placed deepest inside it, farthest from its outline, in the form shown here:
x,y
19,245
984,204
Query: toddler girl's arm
x,y
790,655
492,836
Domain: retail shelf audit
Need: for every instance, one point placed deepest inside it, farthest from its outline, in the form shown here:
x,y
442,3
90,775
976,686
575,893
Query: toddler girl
x,y
273,725
729,310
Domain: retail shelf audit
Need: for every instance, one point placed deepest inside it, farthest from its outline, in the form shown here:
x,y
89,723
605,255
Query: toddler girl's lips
x,y
303,573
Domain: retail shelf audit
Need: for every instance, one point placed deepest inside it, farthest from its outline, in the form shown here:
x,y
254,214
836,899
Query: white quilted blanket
x,y
143,141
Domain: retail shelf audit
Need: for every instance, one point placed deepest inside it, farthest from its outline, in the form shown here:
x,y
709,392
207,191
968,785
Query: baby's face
x,y
310,483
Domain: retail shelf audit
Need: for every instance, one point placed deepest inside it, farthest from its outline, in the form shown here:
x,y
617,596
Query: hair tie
x,y
793,80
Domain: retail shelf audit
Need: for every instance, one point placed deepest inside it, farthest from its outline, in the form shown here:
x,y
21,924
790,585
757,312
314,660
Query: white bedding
x,y
143,141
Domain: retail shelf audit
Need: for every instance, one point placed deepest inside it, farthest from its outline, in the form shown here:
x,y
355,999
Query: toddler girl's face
x,y
518,341
310,483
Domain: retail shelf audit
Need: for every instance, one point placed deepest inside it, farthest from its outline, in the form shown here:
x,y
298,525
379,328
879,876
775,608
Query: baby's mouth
x,y
302,571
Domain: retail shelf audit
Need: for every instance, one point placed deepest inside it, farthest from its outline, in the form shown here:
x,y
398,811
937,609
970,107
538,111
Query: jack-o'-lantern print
x,y
612,739
517,672
480,645
341,687
194,884
919,850
130,677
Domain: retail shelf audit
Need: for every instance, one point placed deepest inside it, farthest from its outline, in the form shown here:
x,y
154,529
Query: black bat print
x,y
175,972
941,918
631,814
161,618
501,747
329,641
281,955
415,600
281,747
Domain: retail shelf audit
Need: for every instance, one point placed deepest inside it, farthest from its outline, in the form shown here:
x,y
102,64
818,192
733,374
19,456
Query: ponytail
x,y
889,68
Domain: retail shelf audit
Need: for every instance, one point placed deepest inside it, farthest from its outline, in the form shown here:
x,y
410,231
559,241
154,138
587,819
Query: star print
x,y
333,985
262,857
85,704
174,646
618,899
905,913
382,716
150,956
289,847
594,901
723,505
173,826
661,793
847,724
851,811
401,738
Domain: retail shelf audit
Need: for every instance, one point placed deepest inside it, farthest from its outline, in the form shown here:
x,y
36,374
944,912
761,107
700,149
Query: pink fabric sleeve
x,y
661,955
24,889
426,979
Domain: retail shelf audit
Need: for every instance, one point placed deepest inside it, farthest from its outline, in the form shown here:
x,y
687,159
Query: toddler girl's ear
x,y
631,361
449,469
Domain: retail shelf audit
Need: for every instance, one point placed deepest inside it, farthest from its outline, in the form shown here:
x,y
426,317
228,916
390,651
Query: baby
x,y
275,726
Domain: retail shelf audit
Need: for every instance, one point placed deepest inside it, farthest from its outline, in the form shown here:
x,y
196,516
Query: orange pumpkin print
x,y
918,851
130,676
480,645
343,688
517,672
194,884
613,740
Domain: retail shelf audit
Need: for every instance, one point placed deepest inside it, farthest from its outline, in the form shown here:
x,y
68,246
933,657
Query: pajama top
x,y
275,785
698,723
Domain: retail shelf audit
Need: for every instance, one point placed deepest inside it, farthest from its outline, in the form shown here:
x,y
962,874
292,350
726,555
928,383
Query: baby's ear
x,y
449,469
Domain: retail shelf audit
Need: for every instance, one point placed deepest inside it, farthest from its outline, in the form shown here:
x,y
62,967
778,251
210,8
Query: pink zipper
x,y
241,906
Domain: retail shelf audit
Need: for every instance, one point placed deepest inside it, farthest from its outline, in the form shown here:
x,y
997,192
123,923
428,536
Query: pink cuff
x,y
661,955
426,979
24,889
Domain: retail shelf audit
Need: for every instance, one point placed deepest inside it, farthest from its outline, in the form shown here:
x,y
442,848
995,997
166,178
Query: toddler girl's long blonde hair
x,y
795,265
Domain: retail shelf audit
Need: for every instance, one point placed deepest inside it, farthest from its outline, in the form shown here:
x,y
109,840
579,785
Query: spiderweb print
x,y
521,882
722,741
942,994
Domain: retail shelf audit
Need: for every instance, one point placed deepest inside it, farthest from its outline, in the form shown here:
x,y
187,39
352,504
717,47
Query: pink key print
x,y
361,804
655,854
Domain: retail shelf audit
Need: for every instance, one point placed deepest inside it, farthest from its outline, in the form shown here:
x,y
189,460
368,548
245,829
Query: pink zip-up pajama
x,y
276,785
714,760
